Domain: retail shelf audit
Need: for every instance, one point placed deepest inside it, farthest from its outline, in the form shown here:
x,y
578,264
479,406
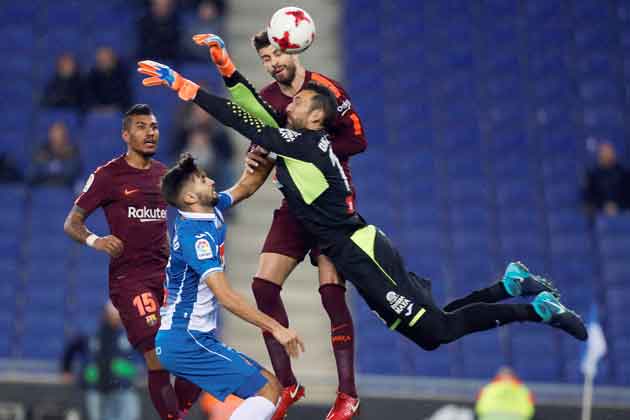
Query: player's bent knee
x,y
327,272
275,267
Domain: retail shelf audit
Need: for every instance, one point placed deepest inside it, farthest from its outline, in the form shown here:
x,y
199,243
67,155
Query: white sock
x,y
254,408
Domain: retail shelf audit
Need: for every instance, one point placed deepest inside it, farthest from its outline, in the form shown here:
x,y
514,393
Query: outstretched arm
x,y
277,140
241,91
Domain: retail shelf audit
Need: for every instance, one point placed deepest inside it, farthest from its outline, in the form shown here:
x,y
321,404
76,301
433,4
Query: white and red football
x,y
291,30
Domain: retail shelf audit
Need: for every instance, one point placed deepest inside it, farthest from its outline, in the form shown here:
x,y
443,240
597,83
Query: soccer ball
x,y
291,30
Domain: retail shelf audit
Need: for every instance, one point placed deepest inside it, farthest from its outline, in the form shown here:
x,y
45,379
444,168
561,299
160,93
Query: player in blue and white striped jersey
x,y
196,284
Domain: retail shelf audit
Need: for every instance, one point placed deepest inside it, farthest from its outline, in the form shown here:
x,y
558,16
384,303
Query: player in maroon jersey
x,y
287,241
127,188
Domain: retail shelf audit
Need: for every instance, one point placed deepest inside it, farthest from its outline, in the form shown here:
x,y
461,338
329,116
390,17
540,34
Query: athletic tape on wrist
x,y
89,241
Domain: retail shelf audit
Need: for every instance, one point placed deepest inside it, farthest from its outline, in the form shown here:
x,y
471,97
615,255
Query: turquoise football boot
x,y
554,313
518,281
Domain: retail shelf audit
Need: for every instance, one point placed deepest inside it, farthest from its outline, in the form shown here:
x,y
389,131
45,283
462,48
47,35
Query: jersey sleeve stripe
x,y
327,83
356,124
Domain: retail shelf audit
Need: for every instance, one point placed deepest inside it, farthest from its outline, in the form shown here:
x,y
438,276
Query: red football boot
x,y
344,408
289,396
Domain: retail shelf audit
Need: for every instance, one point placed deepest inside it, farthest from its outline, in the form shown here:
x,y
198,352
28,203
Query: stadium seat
x,y
43,337
469,217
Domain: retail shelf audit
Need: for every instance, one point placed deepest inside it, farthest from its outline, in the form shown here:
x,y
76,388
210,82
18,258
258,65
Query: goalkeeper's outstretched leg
x,y
404,301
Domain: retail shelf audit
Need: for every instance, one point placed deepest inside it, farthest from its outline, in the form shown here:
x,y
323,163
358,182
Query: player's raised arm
x,y
241,90
235,303
253,177
279,141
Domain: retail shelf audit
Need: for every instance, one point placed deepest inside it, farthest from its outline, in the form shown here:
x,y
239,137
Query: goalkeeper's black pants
x,y
404,301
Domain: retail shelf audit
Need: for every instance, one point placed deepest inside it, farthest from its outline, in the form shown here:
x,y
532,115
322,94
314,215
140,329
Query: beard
x,y
295,124
209,200
138,147
146,154
290,75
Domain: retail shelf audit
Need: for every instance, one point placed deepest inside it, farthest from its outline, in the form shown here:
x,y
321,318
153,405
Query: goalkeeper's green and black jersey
x,y
310,175
319,196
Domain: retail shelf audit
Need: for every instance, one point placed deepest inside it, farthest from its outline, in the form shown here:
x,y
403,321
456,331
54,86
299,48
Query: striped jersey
x,y
197,250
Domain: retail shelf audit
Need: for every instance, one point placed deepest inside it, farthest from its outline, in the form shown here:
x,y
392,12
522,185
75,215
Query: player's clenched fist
x,y
109,244
218,53
290,340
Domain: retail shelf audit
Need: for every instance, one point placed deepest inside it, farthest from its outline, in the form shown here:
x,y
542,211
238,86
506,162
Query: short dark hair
x,y
175,178
260,40
324,100
137,109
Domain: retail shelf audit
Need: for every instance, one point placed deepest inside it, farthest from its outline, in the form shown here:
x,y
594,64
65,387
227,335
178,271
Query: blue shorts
x,y
205,361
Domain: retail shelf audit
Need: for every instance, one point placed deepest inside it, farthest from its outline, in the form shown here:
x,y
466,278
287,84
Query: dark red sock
x,y
162,394
268,299
187,393
342,335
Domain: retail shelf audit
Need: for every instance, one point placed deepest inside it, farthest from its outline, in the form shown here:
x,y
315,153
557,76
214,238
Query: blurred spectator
x,y
198,145
207,19
107,370
9,171
220,5
604,188
200,135
108,82
159,32
65,89
505,398
57,161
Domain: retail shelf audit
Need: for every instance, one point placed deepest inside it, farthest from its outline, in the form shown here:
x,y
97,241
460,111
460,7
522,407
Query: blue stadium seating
x,y
474,153
502,151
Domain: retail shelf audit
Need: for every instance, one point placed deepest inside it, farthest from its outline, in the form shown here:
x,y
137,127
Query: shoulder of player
x,y
335,87
108,167
313,140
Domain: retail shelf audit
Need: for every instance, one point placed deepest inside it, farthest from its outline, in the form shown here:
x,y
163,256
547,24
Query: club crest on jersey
x,y
203,249
151,320
399,303
289,135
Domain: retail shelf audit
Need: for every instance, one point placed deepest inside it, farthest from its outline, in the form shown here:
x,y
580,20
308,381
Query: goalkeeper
x,y
317,192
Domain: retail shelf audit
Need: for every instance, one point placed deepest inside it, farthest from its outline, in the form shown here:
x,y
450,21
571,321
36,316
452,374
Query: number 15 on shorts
x,y
145,303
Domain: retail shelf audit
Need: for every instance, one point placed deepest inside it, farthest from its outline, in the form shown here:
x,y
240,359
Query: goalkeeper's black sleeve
x,y
234,116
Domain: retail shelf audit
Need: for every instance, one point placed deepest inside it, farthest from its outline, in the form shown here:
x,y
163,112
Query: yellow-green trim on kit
x,y
417,317
245,98
395,324
308,179
364,238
